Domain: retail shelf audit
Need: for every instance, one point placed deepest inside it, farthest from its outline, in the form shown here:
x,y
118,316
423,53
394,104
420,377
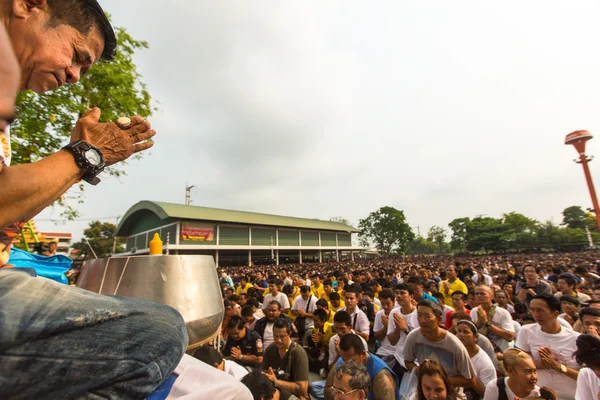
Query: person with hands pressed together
x,y
402,320
551,346
360,321
451,285
75,358
243,345
286,362
492,321
380,328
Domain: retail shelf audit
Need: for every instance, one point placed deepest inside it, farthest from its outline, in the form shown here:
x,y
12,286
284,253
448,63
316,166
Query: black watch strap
x,y
90,172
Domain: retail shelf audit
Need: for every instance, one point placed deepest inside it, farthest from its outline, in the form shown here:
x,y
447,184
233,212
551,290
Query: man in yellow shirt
x,y
451,285
317,288
244,286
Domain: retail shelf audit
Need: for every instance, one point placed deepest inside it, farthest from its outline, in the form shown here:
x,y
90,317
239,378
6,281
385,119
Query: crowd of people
x,y
424,327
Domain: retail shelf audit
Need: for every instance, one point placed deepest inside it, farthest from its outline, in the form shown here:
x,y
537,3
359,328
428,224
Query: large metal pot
x,y
187,283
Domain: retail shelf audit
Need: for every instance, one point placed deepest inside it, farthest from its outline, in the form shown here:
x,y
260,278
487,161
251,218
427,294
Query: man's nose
x,y
73,74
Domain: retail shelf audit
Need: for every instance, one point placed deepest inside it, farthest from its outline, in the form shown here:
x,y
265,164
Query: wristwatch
x,y
563,369
488,324
88,158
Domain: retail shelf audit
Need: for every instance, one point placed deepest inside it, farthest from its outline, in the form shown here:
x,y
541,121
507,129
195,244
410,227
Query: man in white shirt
x,y
481,277
402,320
304,306
551,347
212,357
275,294
360,322
342,323
492,321
386,350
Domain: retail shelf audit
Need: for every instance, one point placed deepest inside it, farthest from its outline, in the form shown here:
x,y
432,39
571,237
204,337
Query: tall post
x,y
579,139
583,159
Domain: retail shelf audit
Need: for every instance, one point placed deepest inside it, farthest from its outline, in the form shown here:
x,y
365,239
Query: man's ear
x,y
24,8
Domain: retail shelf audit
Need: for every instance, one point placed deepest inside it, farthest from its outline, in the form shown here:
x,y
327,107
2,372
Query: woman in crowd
x,y
521,382
466,331
434,383
588,381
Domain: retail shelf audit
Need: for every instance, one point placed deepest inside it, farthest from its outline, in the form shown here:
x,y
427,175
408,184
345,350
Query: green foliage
x,y
437,236
574,217
420,245
340,220
101,237
45,122
387,229
458,241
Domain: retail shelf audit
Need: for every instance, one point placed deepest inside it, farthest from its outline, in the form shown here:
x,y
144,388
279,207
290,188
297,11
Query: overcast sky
x,y
315,109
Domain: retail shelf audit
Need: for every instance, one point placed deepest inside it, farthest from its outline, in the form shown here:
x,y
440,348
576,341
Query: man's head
x,y
248,314
484,295
404,294
236,328
305,292
417,286
282,331
352,348
342,323
545,309
566,284
351,297
57,41
530,273
273,310
320,317
387,299
569,305
429,315
327,286
260,386
209,355
501,298
590,320
316,280
351,381
459,300
274,286
335,299
451,273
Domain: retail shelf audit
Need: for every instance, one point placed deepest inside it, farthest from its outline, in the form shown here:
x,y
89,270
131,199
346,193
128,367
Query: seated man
x,y
318,347
83,344
263,389
264,326
590,321
244,346
212,357
384,382
286,362
351,381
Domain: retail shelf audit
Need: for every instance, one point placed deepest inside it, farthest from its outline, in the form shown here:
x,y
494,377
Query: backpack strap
x,y
502,395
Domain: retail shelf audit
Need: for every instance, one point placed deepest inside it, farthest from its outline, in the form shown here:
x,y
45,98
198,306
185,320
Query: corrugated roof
x,y
181,211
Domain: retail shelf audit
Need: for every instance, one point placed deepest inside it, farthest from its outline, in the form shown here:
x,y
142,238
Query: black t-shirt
x,y
250,344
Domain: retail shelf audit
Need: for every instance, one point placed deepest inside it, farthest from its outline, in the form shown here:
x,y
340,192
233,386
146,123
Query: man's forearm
x,y
297,388
363,335
461,381
503,333
28,189
251,359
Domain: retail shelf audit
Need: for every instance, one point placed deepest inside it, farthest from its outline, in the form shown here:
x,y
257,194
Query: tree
x,y
45,122
485,234
519,230
458,240
387,229
100,235
420,245
437,235
574,217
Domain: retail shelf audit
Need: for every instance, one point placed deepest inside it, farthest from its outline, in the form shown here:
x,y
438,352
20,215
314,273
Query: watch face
x,y
93,157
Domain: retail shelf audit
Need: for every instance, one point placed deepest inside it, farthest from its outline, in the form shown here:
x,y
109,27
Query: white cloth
x,y
501,319
288,281
234,369
360,321
377,301
386,348
445,312
517,329
486,278
411,323
281,298
491,391
588,385
268,335
198,381
562,322
484,368
300,304
333,354
5,150
532,338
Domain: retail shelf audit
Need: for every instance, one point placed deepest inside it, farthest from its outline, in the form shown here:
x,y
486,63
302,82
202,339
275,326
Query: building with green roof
x,y
235,238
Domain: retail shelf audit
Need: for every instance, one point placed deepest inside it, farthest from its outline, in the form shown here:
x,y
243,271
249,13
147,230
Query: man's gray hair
x,y
360,378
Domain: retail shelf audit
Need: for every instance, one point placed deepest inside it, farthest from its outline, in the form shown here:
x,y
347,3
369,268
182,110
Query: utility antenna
x,y
188,194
